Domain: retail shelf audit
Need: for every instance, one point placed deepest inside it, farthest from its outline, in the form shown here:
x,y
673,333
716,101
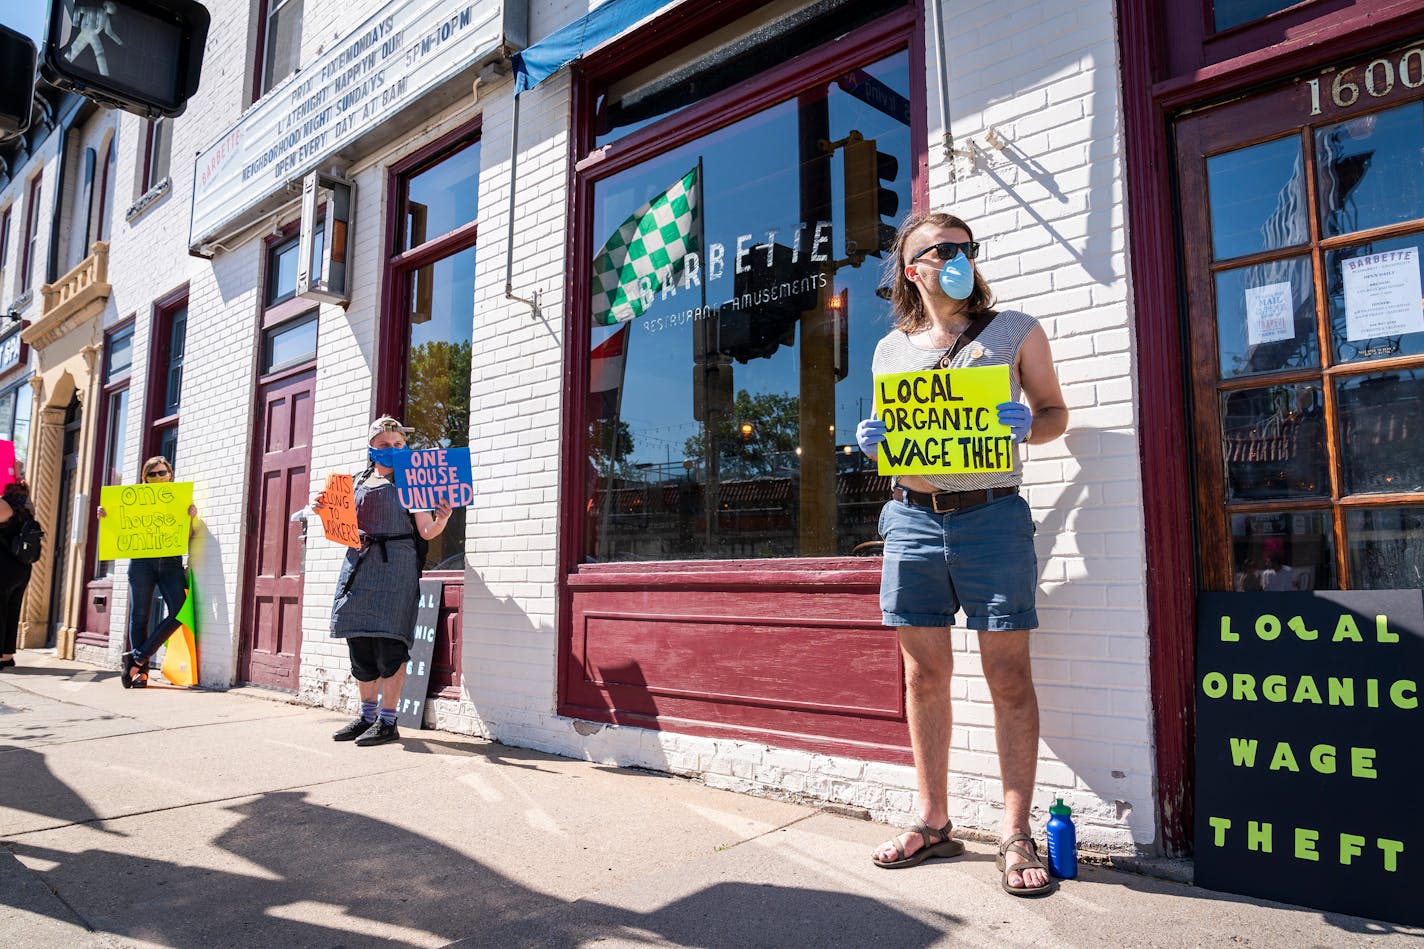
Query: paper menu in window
x,y
1269,314
1382,294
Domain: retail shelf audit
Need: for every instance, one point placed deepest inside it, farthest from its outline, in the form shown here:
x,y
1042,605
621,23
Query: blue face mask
x,y
385,457
956,277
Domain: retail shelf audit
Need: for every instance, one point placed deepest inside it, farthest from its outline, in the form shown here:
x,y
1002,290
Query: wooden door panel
x,y
272,631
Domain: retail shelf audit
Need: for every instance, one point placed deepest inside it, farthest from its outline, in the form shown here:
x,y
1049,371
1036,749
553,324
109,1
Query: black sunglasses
x,y
948,250
157,471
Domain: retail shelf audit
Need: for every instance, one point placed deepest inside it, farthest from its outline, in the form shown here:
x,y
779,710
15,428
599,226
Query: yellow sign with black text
x,y
944,421
145,520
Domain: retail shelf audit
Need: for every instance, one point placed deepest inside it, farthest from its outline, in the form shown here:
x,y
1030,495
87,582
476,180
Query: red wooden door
x,y
272,613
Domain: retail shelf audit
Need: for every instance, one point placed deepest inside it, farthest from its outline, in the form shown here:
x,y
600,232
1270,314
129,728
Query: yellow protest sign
x,y
944,421
145,520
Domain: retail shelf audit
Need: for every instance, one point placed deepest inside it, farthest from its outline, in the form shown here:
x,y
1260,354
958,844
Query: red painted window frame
x,y
32,201
102,224
902,29
4,239
160,340
1156,82
392,352
259,57
101,435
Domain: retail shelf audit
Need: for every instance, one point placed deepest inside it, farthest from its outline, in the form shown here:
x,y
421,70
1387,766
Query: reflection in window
x,y
438,376
443,197
1376,307
1371,170
1386,548
1382,432
727,309
1274,440
1265,318
289,343
1257,199
763,40
1282,551
1229,13
282,262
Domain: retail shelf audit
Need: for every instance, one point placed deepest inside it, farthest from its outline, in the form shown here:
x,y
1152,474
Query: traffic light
x,y
17,81
768,300
142,56
867,200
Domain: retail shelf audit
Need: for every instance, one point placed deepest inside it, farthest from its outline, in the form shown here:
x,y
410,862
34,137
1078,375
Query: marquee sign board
x,y
342,102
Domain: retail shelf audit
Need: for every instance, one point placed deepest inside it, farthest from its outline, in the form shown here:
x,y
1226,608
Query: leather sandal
x,y
933,843
140,677
126,670
1030,862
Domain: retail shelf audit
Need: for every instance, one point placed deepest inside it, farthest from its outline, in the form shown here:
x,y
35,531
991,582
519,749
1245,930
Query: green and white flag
x,y
647,252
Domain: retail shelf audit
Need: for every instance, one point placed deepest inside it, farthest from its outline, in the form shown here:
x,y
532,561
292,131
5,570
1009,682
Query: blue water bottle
x,y
1062,842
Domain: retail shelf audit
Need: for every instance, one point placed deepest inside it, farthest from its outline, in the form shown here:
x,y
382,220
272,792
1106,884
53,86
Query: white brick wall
x,y
1050,209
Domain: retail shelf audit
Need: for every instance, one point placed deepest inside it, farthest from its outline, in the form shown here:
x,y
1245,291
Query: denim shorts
x,y
979,559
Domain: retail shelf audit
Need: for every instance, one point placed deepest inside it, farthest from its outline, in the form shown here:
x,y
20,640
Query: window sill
x,y
148,199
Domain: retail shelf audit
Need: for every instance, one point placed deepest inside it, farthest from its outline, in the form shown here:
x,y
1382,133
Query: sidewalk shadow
x,y
31,787
316,875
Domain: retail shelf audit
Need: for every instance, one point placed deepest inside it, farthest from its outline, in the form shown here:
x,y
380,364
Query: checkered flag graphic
x,y
647,252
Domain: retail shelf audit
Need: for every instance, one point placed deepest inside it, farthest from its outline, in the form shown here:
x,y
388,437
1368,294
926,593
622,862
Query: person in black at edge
x,y
15,510
379,587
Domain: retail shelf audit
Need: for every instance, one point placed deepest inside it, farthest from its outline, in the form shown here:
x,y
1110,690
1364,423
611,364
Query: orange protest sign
x,y
338,510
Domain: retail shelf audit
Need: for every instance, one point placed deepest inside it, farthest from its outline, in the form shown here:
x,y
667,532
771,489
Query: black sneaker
x,y
352,731
380,733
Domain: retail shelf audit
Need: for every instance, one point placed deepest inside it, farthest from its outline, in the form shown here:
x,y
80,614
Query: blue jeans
x,y
165,573
979,559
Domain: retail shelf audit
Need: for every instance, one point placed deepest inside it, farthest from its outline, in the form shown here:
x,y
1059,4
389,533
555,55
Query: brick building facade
x,y
545,627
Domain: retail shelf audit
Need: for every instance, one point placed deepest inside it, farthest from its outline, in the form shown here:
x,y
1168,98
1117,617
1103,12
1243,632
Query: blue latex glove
x,y
1018,417
869,434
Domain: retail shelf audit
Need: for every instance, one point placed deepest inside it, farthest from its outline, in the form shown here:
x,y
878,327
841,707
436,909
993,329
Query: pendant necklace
x,y
948,356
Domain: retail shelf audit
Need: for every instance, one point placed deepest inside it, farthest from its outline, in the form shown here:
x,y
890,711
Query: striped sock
x,y
368,712
388,716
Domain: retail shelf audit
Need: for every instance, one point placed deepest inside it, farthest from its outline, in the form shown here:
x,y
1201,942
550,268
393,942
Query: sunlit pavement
x,y
166,817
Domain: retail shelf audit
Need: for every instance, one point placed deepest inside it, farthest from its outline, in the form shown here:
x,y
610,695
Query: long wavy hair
x,y
910,316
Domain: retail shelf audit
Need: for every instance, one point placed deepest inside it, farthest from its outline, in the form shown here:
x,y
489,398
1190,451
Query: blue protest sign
x,y
425,477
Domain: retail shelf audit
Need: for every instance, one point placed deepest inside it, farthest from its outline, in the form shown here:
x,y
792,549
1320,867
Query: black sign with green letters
x,y
1308,752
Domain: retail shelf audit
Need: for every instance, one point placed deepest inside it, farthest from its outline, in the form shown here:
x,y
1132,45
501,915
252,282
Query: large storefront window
x,y
1305,262
735,314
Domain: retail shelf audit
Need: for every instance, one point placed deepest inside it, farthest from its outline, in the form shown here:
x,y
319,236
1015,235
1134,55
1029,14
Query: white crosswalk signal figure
x,y
91,25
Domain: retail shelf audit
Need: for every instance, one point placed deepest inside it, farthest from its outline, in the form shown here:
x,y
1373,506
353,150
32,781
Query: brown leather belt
x,y
942,502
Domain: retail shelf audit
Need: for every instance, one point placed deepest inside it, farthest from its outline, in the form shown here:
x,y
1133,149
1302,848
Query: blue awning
x,y
563,46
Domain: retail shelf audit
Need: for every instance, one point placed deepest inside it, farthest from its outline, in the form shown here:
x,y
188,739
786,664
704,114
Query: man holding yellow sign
x,y
949,380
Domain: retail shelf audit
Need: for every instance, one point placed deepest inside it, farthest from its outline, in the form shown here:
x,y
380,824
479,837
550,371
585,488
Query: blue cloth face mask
x,y
385,457
956,277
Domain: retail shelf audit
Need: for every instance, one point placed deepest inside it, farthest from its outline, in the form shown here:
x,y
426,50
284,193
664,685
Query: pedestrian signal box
x,y
17,81
142,56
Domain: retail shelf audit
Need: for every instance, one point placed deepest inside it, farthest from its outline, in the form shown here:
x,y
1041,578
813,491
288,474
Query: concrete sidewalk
x,y
174,818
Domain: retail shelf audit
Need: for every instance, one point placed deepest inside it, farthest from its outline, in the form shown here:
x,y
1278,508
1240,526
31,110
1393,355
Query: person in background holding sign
x,y
379,588
964,541
15,564
145,574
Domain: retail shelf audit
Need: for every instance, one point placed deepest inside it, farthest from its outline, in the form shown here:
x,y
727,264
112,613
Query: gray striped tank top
x,y
997,345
